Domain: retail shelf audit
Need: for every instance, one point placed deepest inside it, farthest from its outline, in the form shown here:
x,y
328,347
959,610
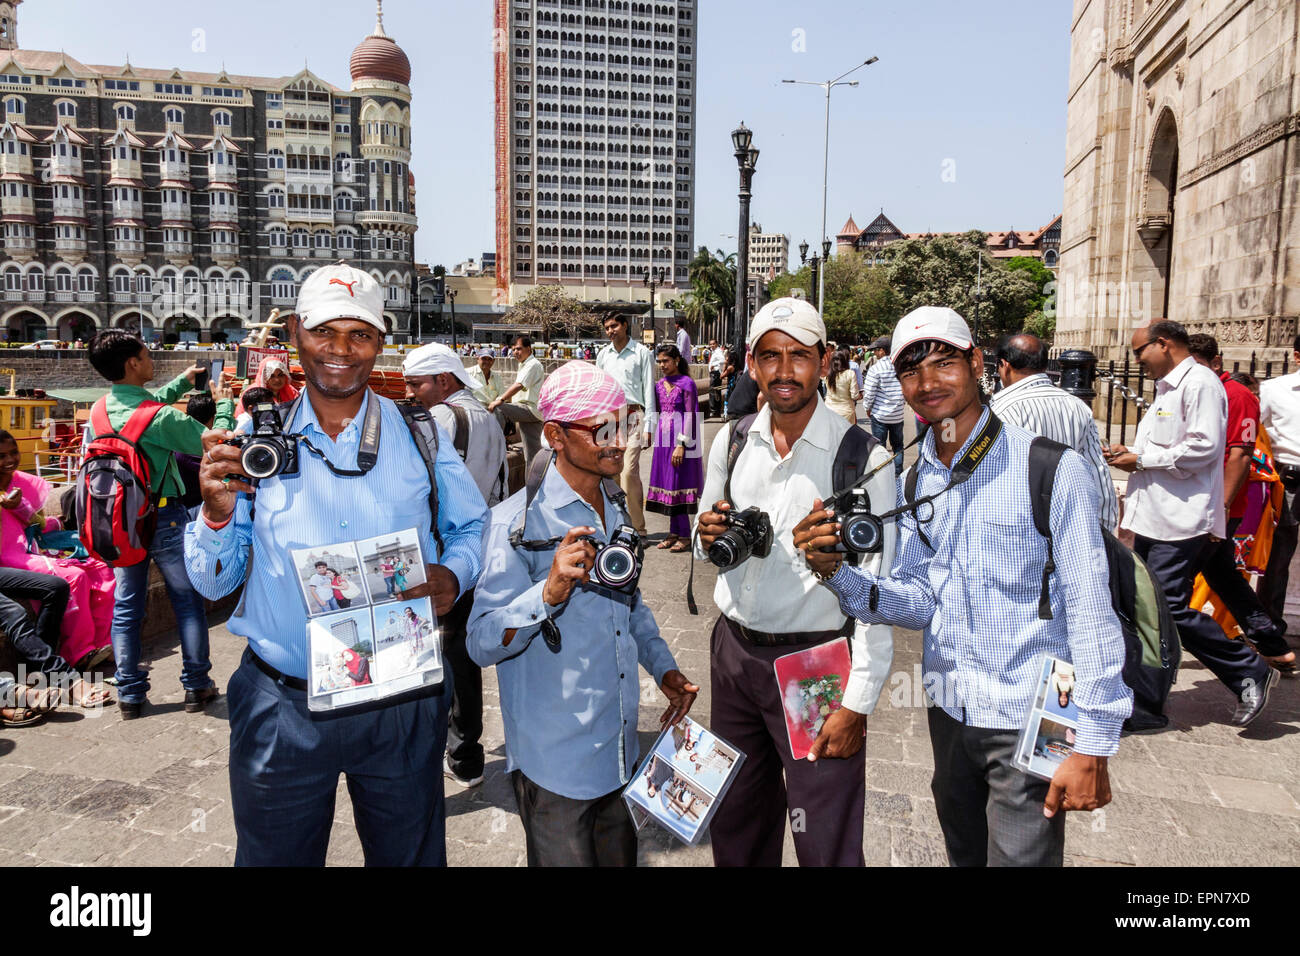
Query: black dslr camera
x,y
748,534
618,563
861,532
268,451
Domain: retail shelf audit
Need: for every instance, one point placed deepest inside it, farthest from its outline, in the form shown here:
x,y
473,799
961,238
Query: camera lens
x,y
861,534
260,460
617,566
728,550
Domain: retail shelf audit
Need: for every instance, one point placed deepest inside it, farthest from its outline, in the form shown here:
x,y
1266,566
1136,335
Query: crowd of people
x,y
522,580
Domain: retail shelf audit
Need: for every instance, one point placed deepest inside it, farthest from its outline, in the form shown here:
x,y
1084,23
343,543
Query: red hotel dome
x,y
377,57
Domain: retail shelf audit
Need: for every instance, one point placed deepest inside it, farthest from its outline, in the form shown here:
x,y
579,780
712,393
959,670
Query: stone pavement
x,y
90,789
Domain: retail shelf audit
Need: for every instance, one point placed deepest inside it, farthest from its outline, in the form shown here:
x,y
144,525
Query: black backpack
x,y
1151,647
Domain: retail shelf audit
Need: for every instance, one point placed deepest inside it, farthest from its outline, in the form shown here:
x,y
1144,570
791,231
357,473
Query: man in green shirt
x,y
124,360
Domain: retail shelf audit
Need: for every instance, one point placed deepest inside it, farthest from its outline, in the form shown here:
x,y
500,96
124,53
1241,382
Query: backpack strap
x,y
739,437
141,418
1044,459
532,484
424,432
909,496
460,441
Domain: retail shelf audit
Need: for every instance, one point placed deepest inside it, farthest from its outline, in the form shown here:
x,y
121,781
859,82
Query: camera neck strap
x,y
367,452
533,484
962,470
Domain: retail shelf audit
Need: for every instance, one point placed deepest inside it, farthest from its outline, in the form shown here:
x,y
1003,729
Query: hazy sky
x,y
971,89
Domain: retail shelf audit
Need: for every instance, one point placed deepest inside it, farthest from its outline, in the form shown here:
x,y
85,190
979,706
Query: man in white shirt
x,y
717,365
1175,507
518,403
631,365
772,606
882,398
1029,399
485,383
684,341
1279,415
437,379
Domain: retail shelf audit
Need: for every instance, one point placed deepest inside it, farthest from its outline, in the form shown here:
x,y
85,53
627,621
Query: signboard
x,y
647,336
250,359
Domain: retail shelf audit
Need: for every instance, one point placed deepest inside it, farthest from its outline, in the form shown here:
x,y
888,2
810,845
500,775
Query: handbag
x,y
60,544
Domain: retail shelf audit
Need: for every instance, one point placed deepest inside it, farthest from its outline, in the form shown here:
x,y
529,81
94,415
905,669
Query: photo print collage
x,y
1048,736
365,641
683,779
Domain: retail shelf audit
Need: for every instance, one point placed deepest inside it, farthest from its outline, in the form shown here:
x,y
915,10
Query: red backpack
x,y
116,513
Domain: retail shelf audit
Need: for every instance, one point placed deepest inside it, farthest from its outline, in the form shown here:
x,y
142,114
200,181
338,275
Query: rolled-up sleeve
x,y
217,560
1093,631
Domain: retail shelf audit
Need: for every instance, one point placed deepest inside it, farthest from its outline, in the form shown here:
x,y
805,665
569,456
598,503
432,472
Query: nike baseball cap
x,y
795,317
340,292
930,322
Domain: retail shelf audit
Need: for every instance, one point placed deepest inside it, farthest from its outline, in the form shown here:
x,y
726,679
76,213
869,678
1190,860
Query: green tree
x,y
1043,277
713,286
860,303
1041,325
942,271
554,310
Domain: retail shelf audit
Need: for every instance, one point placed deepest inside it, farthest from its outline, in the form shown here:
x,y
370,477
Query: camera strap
x,y
367,453
961,471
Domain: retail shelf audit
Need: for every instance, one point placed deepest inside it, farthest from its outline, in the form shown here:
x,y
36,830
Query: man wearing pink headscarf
x,y
566,648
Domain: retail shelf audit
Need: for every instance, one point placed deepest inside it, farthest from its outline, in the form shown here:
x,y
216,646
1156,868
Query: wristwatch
x,y
1137,464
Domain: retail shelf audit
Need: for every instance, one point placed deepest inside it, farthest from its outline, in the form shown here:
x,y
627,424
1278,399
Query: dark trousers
x,y
561,831
285,766
825,800
1175,565
1272,588
464,751
991,812
894,432
1227,582
715,394
36,644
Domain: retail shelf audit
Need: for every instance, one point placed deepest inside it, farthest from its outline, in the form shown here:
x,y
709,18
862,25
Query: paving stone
x,y
74,846
913,848
24,830
888,808
1256,795
117,761
881,746
1157,781
45,791
183,775
894,777
155,850
112,800
1222,761
177,814
213,855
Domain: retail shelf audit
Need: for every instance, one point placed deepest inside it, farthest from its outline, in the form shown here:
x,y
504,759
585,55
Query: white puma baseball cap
x,y
340,292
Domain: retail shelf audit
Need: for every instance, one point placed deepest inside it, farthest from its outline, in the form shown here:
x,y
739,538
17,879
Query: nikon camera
x,y
618,563
748,534
861,532
267,451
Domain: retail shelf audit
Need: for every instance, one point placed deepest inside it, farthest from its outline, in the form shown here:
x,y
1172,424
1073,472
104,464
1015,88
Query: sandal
x,y
679,547
90,696
33,708
666,543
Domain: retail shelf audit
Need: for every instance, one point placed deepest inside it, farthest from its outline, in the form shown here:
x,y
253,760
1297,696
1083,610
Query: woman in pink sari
x,y
89,615
272,374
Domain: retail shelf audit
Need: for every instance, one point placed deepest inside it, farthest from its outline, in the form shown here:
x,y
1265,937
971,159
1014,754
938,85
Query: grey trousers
x,y
530,429
561,831
991,812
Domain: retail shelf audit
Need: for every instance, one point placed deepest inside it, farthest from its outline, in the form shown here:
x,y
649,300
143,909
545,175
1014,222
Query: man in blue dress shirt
x,y
284,761
570,711
970,576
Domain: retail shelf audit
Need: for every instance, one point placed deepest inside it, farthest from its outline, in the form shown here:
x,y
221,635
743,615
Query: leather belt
x,y
767,639
293,683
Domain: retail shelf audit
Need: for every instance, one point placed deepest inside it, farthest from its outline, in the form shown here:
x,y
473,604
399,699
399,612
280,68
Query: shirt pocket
x,y
1013,555
1164,428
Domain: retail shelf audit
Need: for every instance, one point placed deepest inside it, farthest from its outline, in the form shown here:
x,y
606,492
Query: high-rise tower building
x,y
595,145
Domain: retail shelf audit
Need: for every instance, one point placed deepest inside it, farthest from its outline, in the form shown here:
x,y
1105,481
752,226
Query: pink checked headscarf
x,y
578,390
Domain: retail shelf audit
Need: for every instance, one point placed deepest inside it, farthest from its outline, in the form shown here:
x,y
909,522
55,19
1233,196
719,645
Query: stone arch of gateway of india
x,y
1182,173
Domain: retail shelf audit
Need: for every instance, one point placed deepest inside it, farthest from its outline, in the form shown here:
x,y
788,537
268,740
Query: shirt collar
x,y
927,446
558,493
630,348
817,432
1032,381
307,416
1177,374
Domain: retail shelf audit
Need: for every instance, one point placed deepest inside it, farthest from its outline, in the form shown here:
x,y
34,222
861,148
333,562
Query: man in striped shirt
x,y
883,400
1030,400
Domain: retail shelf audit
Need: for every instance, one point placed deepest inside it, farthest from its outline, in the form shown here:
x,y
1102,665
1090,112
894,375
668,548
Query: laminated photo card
x,y
1048,735
812,684
359,652
682,780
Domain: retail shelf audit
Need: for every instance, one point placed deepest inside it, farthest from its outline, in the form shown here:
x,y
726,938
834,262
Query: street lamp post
x,y
653,277
746,160
818,263
140,275
451,297
829,85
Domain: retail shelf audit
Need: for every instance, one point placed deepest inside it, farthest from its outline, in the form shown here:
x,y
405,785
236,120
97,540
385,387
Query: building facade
x,y
1181,173
189,205
595,146
1043,244
769,253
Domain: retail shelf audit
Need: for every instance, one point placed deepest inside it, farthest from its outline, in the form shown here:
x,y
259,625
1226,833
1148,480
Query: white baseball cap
x,y
340,292
795,317
434,359
930,322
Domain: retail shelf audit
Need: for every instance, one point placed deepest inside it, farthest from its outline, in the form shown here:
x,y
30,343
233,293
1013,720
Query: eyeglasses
x,y
602,436
1137,352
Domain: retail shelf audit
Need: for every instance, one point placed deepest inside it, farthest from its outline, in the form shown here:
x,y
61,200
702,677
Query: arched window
x,y
174,114
221,118
283,285
275,159
15,108
67,109
275,199
125,112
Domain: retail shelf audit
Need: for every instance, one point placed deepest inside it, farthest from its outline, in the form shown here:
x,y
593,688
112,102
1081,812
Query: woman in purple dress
x,y
677,469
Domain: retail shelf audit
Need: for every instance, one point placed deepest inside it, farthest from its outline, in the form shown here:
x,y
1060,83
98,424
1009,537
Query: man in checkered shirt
x,y
971,577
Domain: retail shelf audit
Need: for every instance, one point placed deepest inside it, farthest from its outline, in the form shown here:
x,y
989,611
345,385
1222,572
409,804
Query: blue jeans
x,y
285,765
894,432
132,597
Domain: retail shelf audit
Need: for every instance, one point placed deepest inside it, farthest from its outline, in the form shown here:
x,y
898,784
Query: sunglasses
x,y
1137,352
602,436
